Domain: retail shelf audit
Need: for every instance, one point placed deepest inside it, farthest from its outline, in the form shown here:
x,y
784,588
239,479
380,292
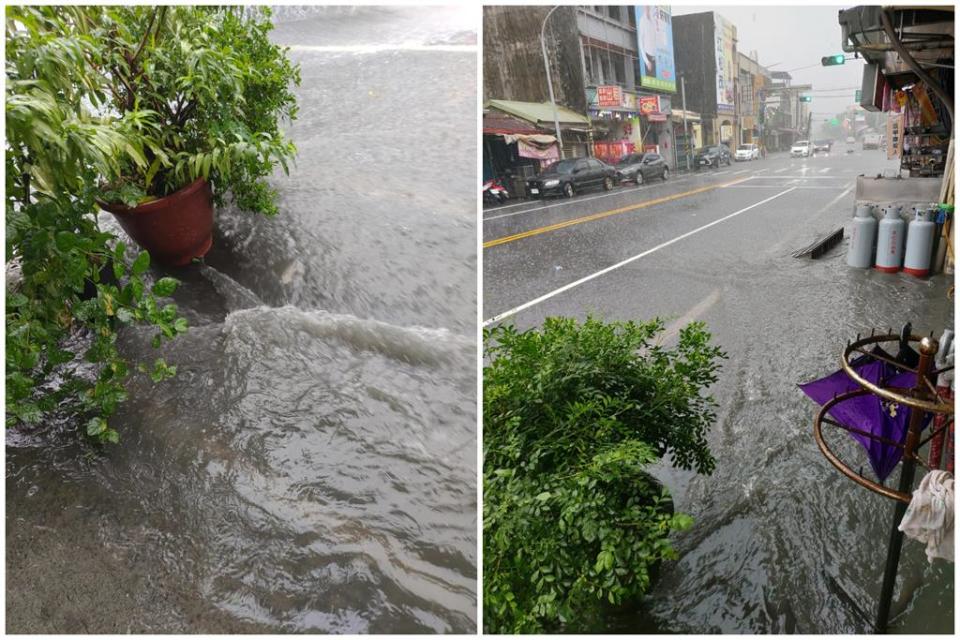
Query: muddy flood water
x,y
782,542
312,467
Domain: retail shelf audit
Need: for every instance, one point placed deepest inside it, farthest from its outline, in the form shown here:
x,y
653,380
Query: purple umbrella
x,y
869,413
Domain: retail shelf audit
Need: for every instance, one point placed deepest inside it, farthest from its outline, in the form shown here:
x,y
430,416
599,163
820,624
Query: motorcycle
x,y
494,192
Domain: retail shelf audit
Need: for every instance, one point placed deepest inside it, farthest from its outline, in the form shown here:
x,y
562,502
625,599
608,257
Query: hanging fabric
x,y
929,518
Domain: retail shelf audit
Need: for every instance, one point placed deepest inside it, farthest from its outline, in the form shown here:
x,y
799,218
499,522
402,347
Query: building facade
x,y
706,62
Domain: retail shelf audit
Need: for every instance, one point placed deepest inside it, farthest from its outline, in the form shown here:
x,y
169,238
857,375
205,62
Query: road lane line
x,y
781,170
577,283
835,200
692,314
685,178
741,171
565,203
825,169
804,177
761,170
603,214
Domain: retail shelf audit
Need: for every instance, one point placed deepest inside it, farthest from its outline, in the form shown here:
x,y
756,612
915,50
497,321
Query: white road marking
x,y
577,283
736,173
695,312
762,170
835,200
795,177
825,169
781,170
777,186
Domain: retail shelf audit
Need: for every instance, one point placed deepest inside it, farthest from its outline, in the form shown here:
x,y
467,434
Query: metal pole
x,y
683,97
546,68
928,349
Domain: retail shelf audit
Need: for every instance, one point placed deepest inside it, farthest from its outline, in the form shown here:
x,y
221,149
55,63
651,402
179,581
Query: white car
x,y
747,152
801,148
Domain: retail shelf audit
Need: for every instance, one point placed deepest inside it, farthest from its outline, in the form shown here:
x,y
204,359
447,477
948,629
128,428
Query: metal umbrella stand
x,y
923,401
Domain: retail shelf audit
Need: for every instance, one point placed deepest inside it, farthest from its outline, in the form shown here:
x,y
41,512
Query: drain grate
x,y
820,246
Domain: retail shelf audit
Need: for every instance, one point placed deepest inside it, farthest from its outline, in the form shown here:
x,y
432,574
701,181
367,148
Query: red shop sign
x,y
609,96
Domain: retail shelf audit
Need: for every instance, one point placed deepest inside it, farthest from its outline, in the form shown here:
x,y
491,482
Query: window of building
x,y
619,71
614,12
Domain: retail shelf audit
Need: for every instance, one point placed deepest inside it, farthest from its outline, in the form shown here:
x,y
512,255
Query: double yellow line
x,y
606,214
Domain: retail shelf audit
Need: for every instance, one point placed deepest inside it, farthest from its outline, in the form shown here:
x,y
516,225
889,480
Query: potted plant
x,y
206,92
120,105
573,416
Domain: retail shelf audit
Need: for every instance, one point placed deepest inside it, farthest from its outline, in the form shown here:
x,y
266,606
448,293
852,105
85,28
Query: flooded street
x,y
781,541
312,467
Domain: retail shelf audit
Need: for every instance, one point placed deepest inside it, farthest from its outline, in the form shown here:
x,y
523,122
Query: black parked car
x,y
570,176
638,167
712,156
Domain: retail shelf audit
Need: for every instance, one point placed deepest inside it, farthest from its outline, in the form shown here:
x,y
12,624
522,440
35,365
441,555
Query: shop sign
x,y
655,46
609,96
648,104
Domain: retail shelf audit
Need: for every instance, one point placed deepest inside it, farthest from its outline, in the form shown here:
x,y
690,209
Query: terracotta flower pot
x,y
175,229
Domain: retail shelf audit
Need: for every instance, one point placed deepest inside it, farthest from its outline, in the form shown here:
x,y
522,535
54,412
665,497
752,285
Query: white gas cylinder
x,y
919,251
863,238
890,234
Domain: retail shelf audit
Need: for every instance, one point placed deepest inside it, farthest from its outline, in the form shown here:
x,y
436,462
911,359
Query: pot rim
x,y
160,203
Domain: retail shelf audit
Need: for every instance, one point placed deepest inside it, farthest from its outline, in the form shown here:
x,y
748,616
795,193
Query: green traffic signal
x,y
806,98
829,61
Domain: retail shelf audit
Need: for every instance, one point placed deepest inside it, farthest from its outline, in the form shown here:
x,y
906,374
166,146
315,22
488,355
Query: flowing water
x,y
782,542
312,467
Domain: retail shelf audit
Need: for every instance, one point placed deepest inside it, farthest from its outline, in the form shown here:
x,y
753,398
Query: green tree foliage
x,y
573,413
127,104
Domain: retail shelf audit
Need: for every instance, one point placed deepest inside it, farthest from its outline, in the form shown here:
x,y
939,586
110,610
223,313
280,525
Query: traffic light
x,y
829,61
806,98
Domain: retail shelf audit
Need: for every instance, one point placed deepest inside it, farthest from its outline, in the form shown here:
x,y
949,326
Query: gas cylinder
x,y
863,237
919,251
890,233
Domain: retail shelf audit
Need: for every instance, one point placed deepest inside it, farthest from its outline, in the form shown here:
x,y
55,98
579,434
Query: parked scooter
x,y
494,192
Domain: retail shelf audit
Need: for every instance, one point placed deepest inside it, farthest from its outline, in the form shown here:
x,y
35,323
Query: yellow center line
x,y
606,214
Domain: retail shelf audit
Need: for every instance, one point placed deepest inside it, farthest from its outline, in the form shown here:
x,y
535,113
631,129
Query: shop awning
x,y
539,113
692,116
497,122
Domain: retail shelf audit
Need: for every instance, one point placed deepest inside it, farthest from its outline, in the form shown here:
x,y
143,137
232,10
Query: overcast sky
x,y
795,37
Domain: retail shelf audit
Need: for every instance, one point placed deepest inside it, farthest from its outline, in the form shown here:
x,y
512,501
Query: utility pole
x,y
546,68
686,136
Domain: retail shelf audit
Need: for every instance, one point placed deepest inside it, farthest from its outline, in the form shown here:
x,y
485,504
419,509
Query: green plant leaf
x,y
165,287
141,264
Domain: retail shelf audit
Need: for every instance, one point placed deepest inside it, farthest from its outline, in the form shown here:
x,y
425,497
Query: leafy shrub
x,y
573,413
127,104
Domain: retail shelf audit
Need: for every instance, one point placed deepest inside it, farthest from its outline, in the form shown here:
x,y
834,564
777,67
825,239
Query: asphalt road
x,y
533,249
782,542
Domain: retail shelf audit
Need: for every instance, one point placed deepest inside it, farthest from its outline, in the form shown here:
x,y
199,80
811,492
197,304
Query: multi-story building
x,y
628,68
753,86
707,66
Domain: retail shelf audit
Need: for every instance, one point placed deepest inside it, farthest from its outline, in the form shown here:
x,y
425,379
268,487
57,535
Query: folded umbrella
x,y
869,413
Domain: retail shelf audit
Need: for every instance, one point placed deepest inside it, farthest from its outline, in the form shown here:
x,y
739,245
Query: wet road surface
x,y
782,543
312,467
